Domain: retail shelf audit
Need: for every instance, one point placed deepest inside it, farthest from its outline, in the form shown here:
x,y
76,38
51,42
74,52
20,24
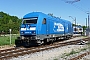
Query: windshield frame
x,y
32,19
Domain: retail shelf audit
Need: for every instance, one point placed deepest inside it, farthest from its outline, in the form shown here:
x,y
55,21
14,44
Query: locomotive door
x,y
44,27
47,26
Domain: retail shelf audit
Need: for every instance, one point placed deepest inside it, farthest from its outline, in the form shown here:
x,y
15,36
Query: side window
x,y
44,21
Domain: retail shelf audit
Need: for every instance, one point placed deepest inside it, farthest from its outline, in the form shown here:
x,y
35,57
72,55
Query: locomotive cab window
x,y
80,29
30,21
75,29
44,21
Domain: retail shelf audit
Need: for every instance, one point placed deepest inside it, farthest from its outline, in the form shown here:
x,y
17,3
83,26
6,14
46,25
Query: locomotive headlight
x,y
23,28
33,32
22,37
22,32
32,28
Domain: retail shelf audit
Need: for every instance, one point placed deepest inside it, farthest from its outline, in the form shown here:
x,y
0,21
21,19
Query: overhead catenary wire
x,y
72,3
83,10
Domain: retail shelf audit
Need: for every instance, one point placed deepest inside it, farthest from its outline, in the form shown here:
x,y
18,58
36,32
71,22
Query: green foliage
x,y
9,22
84,27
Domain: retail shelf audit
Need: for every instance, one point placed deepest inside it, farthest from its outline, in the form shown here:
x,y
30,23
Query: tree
x,y
9,22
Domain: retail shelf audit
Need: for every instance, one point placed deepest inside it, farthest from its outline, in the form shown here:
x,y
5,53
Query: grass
x,y
72,52
83,49
55,59
68,54
5,40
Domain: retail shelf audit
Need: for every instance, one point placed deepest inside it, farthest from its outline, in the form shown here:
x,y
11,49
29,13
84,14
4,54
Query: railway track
x,y
15,52
80,56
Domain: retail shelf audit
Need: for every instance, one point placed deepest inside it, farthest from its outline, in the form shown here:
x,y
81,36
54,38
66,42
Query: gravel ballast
x,y
53,54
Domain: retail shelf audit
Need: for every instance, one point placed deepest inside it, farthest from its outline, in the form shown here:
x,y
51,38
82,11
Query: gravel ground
x,y
53,54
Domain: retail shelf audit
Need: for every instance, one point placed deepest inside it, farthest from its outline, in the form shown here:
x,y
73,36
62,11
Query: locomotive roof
x,y
78,26
33,14
36,14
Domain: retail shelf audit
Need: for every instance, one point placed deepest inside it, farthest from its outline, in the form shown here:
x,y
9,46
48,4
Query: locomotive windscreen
x,y
30,21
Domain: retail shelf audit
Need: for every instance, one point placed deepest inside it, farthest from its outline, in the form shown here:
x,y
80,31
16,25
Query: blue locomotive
x,y
38,28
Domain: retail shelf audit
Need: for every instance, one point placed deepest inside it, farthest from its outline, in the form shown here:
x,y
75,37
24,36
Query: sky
x,y
59,8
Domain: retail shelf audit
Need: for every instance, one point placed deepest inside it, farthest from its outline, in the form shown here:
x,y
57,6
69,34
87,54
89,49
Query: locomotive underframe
x,y
39,39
